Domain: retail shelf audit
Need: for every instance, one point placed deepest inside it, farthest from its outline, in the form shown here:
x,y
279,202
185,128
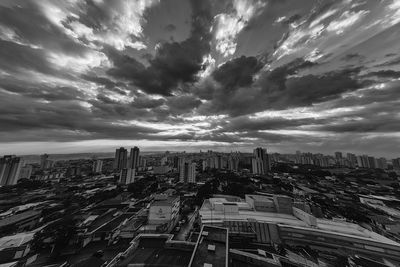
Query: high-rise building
x,y
396,163
372,162
97,166
233,163
164,161
134,158
363,162
382,163
43,161
127,176
187,172
260,162
10,168
26,172
352,159
120,160
338,155
142,161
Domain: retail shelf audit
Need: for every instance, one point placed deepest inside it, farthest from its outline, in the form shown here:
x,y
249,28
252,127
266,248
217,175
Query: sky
x,y
309,75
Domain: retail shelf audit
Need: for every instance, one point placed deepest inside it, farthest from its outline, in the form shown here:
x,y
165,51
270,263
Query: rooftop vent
x,y
211,248
261,252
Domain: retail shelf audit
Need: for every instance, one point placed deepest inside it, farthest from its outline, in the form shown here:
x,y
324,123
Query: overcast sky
x,y
83,76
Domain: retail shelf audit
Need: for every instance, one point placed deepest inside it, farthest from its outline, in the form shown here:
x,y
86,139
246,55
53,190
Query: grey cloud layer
x,y
124,93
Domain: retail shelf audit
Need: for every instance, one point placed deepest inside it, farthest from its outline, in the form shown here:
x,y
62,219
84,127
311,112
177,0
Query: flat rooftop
x,y
211,248
114,223
101,220
15,240
151,251
344,229
208,215
164,202
19,217
261,198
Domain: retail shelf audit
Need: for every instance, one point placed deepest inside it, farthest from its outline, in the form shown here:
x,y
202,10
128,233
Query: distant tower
x,y
260,162
338,155
120,160
97,166
187,172
134,158
43,161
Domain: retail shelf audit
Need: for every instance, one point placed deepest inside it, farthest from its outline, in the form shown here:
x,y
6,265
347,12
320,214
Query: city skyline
x,y
89,76
111,150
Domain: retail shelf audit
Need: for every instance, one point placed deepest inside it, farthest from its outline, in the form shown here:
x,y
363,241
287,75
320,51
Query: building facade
x,y
134,158
260,161
10,168
120,160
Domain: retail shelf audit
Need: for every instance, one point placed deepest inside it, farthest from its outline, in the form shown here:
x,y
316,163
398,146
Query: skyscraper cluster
x,y
350,160
126,166
218,161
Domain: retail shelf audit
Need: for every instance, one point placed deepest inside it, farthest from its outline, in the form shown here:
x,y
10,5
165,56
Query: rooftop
x,y
208,214
211,248
19,217
165,201
101,220
323,226
152,251
15,240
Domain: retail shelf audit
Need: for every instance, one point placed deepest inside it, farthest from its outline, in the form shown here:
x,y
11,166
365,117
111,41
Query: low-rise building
x,y
23,221
211,248
297,228
15,247
163,212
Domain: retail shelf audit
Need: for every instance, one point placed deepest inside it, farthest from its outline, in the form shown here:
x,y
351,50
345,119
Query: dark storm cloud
x,y
22,116
386,74
244,123
230,76
174,63
276,89
89,95
306,90
237,72
143,102
182,104
384,99
279,75
372,123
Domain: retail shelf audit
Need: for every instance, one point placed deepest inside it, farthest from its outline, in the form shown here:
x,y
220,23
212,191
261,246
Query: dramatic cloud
x,y
229,25
174,63
296,74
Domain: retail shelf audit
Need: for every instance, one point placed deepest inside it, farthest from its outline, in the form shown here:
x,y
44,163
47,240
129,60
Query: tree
x,y
57,235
